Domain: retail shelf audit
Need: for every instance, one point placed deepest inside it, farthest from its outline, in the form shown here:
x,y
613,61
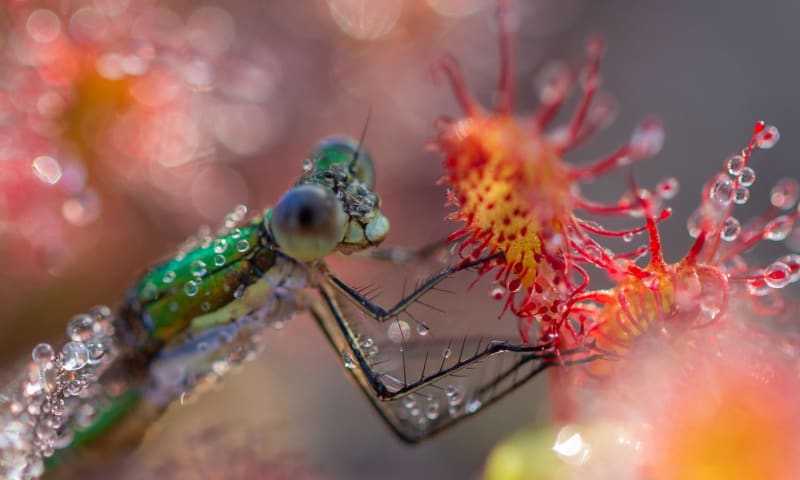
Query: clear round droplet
x,y
735,164
628,237
169,277
422,329
409,401
307,165
570,446
43,354
497,292
777,275
74,356
741,195
779,228
219,260
785,193
398,331
198,268
242,245
730,229
793,262
80,328
432,410
722,191
191,288
446,353
220,245
747,177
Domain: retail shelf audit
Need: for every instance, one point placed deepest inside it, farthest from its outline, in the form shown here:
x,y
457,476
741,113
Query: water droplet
x,y
432,410
722,191
367,342
785,193
47,169
777,275
473,406
735,165
409,401
454,394
191,288
236,232
768,137
570,446
747,177
446,353
693,223
348,360
667,188
239,291
242,245
74,356
779,228
220,245
80,328
96,353
647,139
741,195
307,165
422,329
198,268
219,260
757,287
730,229
169,277
398,331
43,354
628,237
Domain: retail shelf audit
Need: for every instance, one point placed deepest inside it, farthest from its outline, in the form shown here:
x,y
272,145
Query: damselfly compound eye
x,y
308,222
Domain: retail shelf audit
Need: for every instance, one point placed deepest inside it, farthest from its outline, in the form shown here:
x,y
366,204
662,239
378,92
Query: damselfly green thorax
x,y
192,317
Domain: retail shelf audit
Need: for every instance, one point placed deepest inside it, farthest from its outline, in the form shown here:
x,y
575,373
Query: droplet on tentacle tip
x,y
730,229
667,188
722,191
747,177
779,228
43,354
647,139
768,137
777,275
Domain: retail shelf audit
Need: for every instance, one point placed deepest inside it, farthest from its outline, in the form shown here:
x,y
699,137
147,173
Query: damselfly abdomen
x,y
192,317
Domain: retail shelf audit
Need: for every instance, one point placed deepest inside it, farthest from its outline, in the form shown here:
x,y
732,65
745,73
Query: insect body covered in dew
x,y
188,320
514,192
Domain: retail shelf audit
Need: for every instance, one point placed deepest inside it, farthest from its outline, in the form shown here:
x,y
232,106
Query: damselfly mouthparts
x,y
193,316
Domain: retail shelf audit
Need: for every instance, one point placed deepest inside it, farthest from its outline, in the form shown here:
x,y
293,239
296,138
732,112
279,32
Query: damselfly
x,y
192,317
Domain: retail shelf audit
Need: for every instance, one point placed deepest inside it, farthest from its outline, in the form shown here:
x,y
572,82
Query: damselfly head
x,y
332,207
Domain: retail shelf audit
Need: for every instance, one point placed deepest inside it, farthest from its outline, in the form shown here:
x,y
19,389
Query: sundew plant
x,y
567,302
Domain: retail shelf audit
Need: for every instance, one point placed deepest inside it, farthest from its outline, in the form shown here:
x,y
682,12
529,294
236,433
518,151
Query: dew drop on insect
x,y
768,137
409,401
43,354
741,195
96,353
74,356
191,288
236,232
777,275
473,406
570,446
219,260
446,353
432,410
80,328
242,245
785,193
198,268
422,329
730,229
667,188
307,165
779,228
735,164
220,245
722,191
348,360
454,394
367,342
747,177
497,292
398,331
169,277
